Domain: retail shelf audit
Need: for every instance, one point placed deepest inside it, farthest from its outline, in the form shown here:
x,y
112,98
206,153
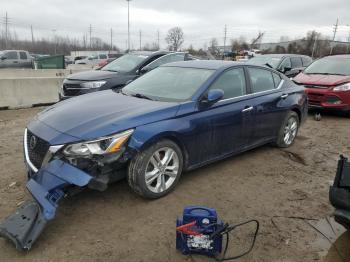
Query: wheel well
x,y
181,145
297,111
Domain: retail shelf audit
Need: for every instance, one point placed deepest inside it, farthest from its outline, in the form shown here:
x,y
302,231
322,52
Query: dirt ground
x,y
268,184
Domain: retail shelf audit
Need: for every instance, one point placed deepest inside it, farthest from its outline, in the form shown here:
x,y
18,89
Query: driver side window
x,y
285,63
166,59
232,82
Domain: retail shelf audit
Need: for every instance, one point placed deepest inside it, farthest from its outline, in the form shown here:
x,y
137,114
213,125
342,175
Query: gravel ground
x,y
267,183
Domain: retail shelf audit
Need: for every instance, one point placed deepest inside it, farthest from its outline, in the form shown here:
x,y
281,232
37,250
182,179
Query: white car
x,y
92,60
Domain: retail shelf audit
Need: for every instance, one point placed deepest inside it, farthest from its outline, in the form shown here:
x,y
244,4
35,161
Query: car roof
x,y
150,53
338,56
204,64
282,55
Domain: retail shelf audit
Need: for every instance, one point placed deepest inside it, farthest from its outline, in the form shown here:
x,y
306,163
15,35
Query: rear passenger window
x,y
23,55
277,79
306,61
103,56
232,82
285,63
296,62
261,80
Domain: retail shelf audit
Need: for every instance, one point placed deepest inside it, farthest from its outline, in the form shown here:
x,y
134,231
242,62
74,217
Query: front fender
x,y
146,135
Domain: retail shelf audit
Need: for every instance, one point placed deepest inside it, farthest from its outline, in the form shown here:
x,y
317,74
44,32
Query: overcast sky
x,y
200,20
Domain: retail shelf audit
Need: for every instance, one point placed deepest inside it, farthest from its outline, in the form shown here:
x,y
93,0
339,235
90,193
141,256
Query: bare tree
x,y
214,47
175,38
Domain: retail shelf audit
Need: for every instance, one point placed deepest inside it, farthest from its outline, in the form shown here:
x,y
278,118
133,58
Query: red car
x,y
327,82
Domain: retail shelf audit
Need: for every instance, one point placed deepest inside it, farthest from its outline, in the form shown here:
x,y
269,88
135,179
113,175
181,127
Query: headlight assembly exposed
x,y
101,146
345,87
93,84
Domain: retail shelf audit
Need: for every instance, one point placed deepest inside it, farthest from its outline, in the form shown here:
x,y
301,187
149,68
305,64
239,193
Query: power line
x,y
335,28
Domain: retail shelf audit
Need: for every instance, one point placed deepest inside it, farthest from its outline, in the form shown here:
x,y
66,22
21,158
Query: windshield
x,y
168,83
331,66
125,63
263,60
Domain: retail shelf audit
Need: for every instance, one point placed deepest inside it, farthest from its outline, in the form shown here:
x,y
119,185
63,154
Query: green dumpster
x,y
50,62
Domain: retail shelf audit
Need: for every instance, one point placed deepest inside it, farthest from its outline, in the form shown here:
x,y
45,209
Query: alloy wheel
x,y
162,170
290,130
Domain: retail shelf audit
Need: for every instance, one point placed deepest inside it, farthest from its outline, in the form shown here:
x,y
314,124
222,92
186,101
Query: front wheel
x,y
288,130
155,171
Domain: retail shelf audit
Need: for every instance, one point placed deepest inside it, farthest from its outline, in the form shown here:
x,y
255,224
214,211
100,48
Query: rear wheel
x,y
155,171
288,130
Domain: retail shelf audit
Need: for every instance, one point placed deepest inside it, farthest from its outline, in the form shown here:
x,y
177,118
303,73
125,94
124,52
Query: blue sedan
x,y
177,117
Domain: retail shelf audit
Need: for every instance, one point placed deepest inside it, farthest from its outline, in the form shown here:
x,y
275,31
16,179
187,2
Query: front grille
x,y
71,89
37,152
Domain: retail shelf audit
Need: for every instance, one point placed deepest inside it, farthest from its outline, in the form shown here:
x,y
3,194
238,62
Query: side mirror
x,y
286,69
128,82
213,96
144,70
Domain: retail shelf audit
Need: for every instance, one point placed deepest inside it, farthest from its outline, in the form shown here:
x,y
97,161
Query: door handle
x,y
247,109
15,62
284,96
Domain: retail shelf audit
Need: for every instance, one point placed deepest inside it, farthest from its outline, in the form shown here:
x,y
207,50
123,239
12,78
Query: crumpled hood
x,y
92,75
322,80
103,113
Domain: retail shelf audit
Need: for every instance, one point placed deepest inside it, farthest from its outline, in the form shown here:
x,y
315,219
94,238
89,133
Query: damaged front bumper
x,y
47,187
339,193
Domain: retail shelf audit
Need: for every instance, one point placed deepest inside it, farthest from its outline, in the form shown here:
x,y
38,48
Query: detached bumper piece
x,y
47,187
339,193
24,226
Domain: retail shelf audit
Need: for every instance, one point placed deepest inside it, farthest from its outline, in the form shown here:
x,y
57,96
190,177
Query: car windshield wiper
x,y
138,95
315,73
109,70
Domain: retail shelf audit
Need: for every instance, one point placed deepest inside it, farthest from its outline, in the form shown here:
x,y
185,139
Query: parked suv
x,y
15,58
288,64
327,82
118,73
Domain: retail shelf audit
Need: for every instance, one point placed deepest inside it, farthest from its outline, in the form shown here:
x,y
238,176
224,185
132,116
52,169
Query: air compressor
x,y
200,231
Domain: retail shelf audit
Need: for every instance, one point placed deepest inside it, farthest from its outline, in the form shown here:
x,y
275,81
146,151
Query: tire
x,y
150,164
282,140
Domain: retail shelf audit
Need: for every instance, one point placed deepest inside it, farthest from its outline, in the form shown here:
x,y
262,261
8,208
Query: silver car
x,y
15,58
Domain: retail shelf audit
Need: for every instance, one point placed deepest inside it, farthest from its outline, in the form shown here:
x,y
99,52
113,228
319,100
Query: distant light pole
x,y
128,26
347,47
54,39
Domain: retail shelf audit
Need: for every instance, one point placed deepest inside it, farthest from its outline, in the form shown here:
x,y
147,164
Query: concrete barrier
x,y
28,87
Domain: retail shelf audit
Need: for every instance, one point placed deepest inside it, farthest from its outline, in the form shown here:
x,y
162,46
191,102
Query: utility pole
x,y
140,40
90,31
158,40
314,46
128,26
111,39
347,47
225,32
31,30
6,29
335,28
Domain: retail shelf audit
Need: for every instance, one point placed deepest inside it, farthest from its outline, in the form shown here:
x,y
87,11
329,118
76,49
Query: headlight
x,y
101,146
345,87
94,84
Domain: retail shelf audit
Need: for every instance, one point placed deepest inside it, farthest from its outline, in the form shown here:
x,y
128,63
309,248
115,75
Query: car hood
x,y
322,80
103,113
93,75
